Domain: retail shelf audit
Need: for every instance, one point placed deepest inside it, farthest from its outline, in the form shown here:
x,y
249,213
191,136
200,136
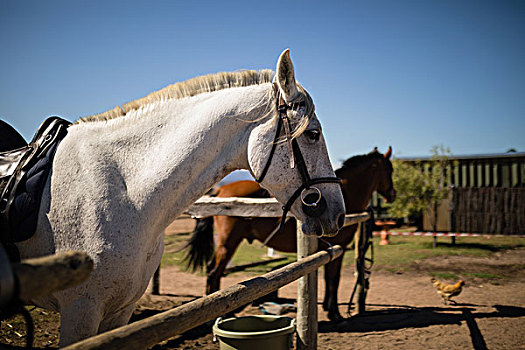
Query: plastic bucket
x,y
255,332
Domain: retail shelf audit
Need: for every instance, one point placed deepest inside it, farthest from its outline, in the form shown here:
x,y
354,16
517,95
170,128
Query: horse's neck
x,y
363,185
171,152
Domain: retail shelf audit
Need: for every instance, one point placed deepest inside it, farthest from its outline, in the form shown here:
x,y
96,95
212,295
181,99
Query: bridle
x,y
313,203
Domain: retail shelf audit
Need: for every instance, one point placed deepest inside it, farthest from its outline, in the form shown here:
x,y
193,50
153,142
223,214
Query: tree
x,y
421,185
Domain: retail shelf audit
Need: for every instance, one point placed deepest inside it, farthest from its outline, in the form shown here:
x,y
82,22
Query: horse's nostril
x,y
341,221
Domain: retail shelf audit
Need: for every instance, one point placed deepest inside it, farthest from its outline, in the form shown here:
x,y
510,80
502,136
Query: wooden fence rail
x,y
48,274
148,332
44,275
235,206
249,207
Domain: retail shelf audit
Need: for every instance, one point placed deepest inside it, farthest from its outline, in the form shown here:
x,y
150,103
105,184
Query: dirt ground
x,y
403,310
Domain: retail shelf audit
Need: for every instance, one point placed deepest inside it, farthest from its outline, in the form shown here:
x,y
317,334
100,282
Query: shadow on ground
x,y
394,317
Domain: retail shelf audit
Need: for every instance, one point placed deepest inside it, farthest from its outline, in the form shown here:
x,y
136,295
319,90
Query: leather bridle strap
x,y
296,158
272,151
286,208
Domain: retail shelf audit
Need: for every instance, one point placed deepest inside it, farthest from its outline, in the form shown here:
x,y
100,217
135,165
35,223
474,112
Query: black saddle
x,y
10,138
23,171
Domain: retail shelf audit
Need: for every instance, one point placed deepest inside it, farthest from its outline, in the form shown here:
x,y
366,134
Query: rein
x,y
364,231
313,203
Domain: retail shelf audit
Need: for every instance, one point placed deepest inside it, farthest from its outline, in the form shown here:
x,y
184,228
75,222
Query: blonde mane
x,y
191,87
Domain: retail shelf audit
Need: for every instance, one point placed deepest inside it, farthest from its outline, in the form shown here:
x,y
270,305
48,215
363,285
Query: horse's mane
x,y
358,160
191,87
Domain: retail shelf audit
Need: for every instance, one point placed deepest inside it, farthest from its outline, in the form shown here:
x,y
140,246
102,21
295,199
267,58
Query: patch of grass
x,y
405,250
483,275
397,257
444,276
249,253
173,256
397,270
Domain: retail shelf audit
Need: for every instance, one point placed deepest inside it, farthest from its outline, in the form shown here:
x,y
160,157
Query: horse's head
x,y
384,170
288,155
362,175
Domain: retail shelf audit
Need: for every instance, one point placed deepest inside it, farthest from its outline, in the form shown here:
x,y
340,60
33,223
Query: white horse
x,y
121,177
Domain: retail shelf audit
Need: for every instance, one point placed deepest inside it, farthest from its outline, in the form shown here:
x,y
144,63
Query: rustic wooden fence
x,y
44,275
148,332
494,210
23,281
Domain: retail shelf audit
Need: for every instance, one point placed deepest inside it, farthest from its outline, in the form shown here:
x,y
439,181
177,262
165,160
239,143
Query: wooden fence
x,y
36,277
145,333
488,210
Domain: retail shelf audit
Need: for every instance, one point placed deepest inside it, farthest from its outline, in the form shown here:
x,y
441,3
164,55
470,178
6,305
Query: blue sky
x,y
411,74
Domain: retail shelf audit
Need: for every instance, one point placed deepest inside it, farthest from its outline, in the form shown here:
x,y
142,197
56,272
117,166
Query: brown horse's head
x,y
386,186
364,174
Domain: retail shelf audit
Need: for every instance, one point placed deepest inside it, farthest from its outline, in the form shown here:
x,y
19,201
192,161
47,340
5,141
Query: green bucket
x,y
255,332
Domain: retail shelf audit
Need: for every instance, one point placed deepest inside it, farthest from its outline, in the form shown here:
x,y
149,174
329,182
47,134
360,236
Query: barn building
x,y
487,194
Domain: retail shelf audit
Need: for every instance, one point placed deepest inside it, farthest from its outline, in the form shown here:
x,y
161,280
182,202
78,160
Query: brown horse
x,y
361,176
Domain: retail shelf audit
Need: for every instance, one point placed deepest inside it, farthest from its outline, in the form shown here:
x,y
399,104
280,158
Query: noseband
x,y
313,203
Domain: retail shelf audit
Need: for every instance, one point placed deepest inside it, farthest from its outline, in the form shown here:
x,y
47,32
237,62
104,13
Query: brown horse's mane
x,y
355,161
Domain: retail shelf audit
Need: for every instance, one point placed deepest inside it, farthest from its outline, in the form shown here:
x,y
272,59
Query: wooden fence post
x,y
306,295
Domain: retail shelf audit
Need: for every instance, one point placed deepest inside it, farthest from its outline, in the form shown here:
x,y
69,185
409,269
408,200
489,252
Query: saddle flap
x,y
26,170
10,160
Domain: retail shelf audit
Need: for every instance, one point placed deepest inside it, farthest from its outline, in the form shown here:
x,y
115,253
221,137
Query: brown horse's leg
x,y
213,281
332,276
230,235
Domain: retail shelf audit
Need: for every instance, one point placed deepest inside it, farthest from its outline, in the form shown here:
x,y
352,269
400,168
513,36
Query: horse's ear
x,y
388,153
286,77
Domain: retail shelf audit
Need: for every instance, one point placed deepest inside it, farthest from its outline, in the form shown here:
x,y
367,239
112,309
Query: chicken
x,y
447,290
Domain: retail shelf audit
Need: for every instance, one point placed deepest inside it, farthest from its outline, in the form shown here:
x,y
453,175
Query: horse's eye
x,y
313,135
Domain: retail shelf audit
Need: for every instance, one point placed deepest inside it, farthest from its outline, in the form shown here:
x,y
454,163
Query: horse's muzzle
x,y
313,203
